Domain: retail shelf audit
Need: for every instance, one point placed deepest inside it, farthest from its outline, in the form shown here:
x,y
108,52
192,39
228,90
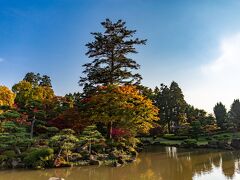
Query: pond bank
x,y
153,163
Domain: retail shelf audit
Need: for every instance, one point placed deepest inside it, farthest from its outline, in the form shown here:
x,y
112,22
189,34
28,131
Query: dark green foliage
x,y
13,137
234,114
91,137
170,101
11,114
39,158
45,81
189,143
110,50
32,78
63,144
146,91
196,129
36,79
220,112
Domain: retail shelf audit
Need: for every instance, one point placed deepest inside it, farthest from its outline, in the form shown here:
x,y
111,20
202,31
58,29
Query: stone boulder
x,y
235,143
56,178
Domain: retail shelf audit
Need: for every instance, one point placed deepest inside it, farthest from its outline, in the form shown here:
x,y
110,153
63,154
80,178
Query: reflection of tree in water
x,y
228,164
184,165
162,164
237,162
216,160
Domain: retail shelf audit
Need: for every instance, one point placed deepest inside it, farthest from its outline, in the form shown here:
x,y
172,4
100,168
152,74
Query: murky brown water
x,y
156,163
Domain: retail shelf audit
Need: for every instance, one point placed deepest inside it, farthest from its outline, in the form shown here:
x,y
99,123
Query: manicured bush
x,y
39,158
189,143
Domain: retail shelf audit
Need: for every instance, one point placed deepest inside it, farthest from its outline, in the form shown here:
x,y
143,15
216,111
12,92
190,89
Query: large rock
x,y
132,159
116,164
219,145
235,143
95,162
224,145
56,178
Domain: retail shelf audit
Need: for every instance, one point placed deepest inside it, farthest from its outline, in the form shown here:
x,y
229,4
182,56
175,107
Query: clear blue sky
x,y
189,41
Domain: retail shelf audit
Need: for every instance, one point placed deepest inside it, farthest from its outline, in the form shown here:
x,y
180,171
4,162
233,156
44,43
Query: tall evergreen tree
x,y
234,113
110,50
162,101
220,113
170,101
177,104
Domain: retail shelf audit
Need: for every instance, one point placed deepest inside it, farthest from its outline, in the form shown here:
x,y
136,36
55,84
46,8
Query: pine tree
x,y
220,112
162,101
110,50
234,113
90,136
177,104
170,101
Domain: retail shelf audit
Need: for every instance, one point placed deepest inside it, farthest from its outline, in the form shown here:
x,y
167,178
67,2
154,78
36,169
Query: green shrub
x,y
39,158
222,137
189,143
208,138
9,153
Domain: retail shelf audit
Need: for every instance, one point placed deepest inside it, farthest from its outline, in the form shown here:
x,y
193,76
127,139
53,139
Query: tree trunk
x,y
169,129
110,130
90,147
59,153
32,127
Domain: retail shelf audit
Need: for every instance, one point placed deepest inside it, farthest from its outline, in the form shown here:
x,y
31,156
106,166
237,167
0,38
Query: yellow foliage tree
x,y
6,96
26,92
121,107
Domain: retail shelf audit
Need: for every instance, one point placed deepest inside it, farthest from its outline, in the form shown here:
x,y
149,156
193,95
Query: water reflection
x,y
156,163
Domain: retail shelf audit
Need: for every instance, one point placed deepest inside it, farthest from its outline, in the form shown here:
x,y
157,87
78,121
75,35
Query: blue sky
x,y
194,42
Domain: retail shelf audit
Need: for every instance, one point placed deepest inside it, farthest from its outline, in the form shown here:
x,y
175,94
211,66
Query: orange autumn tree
x,y
121,107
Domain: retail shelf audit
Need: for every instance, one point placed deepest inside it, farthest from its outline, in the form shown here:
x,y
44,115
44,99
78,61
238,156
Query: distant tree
x,y
45,81
23,91
26,92
37,80
32,78
220,112
193,113
110,50
177,104
234,113
170,101
162,101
